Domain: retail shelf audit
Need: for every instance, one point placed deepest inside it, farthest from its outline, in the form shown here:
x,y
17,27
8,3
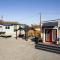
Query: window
x,y
7,27
0,26
47,35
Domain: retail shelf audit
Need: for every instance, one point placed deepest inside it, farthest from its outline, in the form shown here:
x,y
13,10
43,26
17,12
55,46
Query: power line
x,y
30,16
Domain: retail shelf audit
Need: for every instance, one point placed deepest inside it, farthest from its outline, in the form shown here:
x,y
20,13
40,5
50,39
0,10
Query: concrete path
x,y
12,49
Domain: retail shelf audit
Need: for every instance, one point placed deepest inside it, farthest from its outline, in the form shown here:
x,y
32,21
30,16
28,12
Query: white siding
x,y
1,28
9,32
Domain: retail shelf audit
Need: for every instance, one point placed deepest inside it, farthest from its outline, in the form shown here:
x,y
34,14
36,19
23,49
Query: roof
x,y
51,23
8,23
55,20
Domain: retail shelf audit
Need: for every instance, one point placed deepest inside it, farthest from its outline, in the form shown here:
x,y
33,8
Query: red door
x,y
50,32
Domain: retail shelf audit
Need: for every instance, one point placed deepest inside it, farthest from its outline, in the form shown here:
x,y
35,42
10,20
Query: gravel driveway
x,y
12,49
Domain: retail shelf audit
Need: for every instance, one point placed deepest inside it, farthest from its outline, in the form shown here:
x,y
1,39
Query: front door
x,y
50,34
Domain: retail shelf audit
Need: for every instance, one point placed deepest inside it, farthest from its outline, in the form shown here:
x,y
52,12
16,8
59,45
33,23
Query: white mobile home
x,y
9,28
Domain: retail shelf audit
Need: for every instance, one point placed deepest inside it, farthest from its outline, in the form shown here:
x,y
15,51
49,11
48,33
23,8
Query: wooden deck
x,y
48,47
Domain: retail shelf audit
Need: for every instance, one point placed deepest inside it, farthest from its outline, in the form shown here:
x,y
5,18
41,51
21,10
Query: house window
x,y
0,26
7,27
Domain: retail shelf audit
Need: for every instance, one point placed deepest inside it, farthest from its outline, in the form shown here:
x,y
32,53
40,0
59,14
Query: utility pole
x,y
40,25
40,29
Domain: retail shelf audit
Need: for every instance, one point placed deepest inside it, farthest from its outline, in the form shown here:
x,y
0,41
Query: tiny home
x,y
9,28
51,31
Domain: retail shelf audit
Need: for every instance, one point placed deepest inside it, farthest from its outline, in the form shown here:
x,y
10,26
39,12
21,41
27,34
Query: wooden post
x,y
26,29
16,34
16,31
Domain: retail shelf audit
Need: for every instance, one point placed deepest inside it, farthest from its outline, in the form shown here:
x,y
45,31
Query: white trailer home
x,y
9,28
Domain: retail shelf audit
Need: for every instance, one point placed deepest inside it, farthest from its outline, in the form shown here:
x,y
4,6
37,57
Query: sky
x,y
28,11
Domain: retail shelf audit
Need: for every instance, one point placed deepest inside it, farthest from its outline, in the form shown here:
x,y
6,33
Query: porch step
x,y
51,48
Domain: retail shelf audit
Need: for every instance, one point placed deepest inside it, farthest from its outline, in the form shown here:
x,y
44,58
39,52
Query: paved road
x,y
12,49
